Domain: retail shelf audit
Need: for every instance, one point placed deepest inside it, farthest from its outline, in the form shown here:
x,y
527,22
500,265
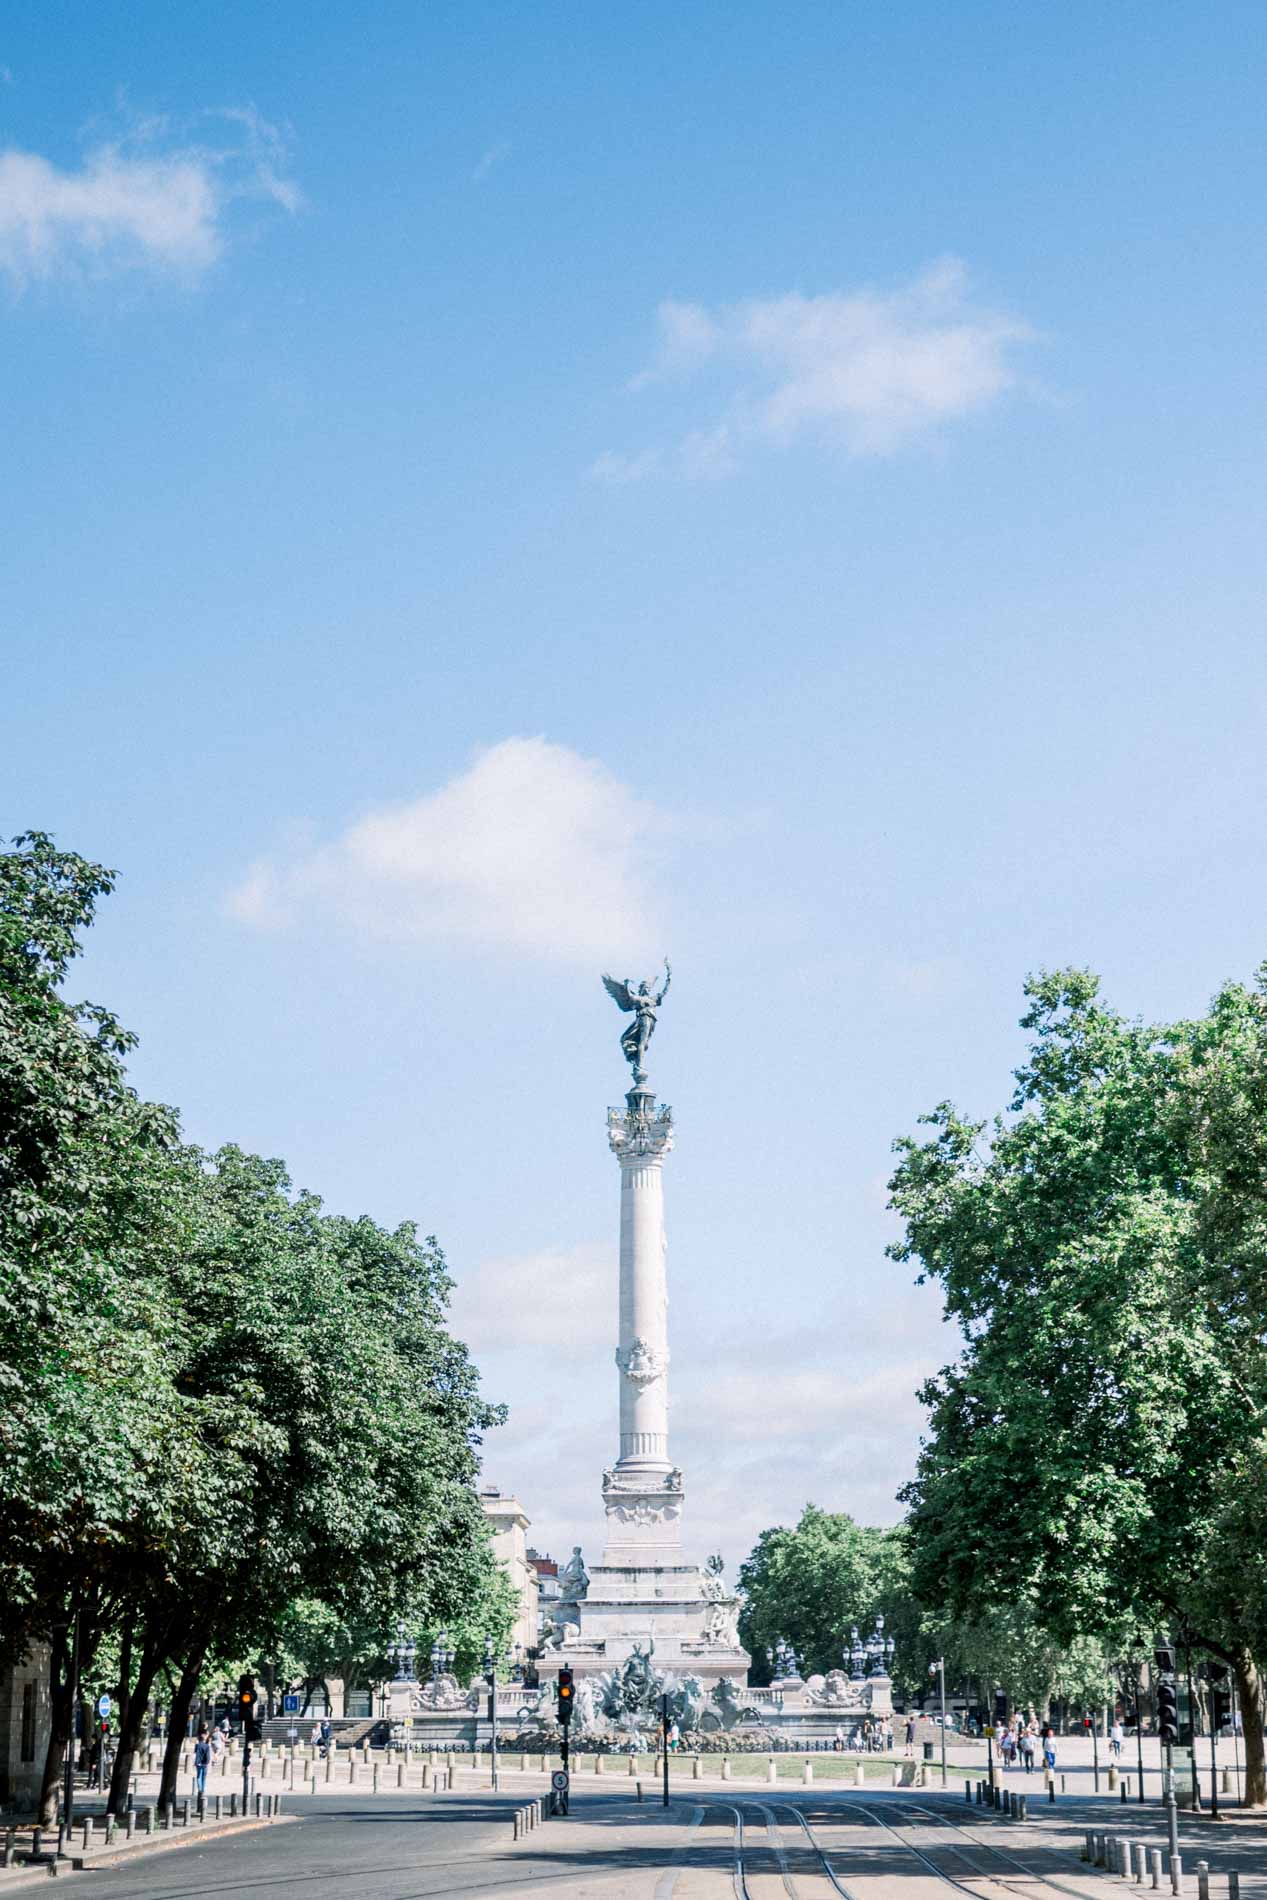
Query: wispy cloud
x,y
816,1414
490,159
532,848
149,198
865,369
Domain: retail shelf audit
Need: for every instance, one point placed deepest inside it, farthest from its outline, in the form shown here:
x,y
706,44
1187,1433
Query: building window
x,y
28,1721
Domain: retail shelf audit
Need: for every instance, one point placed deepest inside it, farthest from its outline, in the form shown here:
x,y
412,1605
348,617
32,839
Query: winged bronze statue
x,y
643,1002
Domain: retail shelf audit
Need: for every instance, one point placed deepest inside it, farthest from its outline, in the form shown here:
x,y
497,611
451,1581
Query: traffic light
x,y
1167,1714
1220,1696
251,1730
567,1697
1086,1723
1000,1708
1164,1660
103,1727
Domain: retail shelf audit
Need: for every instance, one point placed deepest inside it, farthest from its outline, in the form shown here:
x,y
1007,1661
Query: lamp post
x,y
490,1671
938,1669
441,1656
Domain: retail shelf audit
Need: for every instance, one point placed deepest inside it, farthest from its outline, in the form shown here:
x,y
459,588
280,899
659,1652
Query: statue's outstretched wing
x,y
619,992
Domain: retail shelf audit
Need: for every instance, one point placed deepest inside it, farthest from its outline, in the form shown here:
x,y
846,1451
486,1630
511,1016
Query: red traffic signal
x,y
104,1726
1086,1723
567,1696
1167,1714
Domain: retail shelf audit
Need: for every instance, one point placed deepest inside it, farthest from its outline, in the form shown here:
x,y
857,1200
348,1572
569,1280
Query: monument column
x,y
642,1492
640,1138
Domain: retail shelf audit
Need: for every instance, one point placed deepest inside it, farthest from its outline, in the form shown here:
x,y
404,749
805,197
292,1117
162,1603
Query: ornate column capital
x,y
640,1131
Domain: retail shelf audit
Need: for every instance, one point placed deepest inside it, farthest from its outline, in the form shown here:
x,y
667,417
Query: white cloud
x,y
533,848
521,1302
865,369
139,200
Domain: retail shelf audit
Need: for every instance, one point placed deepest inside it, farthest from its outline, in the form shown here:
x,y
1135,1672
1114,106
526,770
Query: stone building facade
x,y
24,1728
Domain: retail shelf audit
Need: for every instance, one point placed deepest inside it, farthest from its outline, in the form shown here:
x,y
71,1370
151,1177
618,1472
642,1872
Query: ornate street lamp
x,y
441,1656
854,1655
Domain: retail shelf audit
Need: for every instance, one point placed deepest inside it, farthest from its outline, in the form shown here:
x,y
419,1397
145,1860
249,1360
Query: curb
x,y
119,1856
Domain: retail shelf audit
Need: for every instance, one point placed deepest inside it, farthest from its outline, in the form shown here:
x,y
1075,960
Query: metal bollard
x,y
771,1769
1176,1873
129,1825
6,1852
330,1762
184,1814
1154,1866
1233,1887
967,1790
1099,1850
725,1767
1203,1880
897,1774
233,1806
1126,1788
87,1840
147,1817
807,1773
1141,1863
1088,1845
400,1774
375,1781
1225,1786
858,1775
1024,1806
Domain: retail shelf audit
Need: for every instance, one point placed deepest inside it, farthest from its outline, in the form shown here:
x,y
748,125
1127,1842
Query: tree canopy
x,y
1101,1245
216,1400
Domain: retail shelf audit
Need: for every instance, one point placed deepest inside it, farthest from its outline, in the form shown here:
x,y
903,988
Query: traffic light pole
x,y
1214,1768
1172,1806
1095,1757
664,1743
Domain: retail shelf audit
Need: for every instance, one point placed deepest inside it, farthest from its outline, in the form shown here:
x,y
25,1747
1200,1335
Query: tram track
x,y
801,1868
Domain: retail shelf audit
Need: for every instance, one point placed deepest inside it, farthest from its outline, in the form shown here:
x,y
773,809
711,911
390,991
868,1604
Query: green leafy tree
x,y
812,1584
1100,1252
214,1398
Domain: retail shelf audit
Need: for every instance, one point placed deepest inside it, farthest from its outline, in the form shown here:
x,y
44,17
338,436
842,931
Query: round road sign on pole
x,y
104,1705
559,1781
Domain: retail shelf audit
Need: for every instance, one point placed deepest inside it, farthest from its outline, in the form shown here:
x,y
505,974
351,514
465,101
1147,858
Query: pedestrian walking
x,y
202,1761
909,1746
1116,1737
1027,1751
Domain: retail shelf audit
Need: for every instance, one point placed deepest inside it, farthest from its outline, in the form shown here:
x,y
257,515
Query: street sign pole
x,y
941,1673
664,1743
72,1712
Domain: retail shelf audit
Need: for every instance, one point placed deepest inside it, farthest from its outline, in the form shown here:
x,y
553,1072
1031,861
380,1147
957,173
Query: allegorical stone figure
x,y
644,1002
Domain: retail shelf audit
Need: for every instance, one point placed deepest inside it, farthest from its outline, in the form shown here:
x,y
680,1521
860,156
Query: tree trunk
x,y
59,1727
182,1702
130,1726
1249,1696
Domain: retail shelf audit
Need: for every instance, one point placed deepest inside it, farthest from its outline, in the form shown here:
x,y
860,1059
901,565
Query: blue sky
x,y
492,493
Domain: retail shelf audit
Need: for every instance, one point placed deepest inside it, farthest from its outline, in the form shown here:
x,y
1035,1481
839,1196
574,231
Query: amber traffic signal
x,y
567,1696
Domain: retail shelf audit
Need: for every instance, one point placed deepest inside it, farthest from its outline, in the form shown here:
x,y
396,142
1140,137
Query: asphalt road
x,y
714,1843
389,1847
